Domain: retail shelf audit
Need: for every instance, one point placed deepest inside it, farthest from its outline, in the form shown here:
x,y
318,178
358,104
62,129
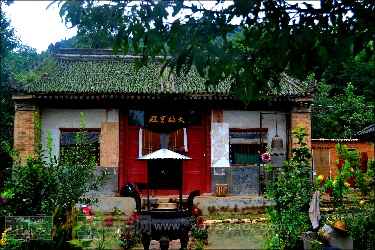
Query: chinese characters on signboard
x,y
166,119
165,122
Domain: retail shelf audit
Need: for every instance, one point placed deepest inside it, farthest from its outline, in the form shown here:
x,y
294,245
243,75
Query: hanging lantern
x,y
277,142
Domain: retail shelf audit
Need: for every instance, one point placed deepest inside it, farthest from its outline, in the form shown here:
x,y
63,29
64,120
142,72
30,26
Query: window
x,y
136,118
68,140
245,145
153,141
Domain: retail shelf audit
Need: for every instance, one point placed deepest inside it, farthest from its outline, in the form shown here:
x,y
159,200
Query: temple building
x,y
133,112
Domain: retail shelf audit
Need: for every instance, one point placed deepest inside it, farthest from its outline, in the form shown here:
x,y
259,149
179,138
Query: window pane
x,y
151,141
176,141
244,153
68,141
194,117
246,145
136,118
69,138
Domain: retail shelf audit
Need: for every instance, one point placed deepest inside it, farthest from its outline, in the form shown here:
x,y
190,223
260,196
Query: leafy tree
x,y
16,60
8,42
94,41
359,70
21,62
251,42
340,116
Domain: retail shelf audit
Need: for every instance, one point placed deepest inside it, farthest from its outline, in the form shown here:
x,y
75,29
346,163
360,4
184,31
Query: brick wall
x,y
26,133
301,117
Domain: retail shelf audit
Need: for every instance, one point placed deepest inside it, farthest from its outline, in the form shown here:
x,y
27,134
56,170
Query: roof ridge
x,y
115,57
96,54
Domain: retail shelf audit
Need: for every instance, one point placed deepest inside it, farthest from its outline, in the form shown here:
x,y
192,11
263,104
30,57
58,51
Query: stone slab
x,y
237,204
108,204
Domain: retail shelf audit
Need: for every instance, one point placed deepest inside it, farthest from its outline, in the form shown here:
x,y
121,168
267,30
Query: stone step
x,y
167,205
163,199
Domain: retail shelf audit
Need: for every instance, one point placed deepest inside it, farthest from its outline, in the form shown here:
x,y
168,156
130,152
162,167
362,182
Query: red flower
x,y
108,221
86,210
133,218
266,157
196,211
200,222
340,164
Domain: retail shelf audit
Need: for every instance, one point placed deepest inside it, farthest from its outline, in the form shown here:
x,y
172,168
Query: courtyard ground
x,y
225,235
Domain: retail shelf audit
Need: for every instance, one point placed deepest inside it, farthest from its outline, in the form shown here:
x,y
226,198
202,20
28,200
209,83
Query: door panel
x,y
195,169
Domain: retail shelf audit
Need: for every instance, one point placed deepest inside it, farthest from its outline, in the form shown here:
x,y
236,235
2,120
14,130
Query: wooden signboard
x,y
165,122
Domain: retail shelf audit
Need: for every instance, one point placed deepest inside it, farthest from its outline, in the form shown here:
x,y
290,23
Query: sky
x,y
38,27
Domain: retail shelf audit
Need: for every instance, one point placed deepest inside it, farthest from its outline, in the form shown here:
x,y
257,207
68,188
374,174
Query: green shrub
x,y
291,192
361,218
45,185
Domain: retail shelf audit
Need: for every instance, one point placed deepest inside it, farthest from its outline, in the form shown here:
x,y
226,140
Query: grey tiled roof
x,y
101,72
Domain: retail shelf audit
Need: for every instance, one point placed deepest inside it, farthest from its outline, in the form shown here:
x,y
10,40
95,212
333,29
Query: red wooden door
x,y
136,169
131,170
195,170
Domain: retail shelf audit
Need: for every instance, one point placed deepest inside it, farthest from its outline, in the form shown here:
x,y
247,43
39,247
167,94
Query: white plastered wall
x,y
52,120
